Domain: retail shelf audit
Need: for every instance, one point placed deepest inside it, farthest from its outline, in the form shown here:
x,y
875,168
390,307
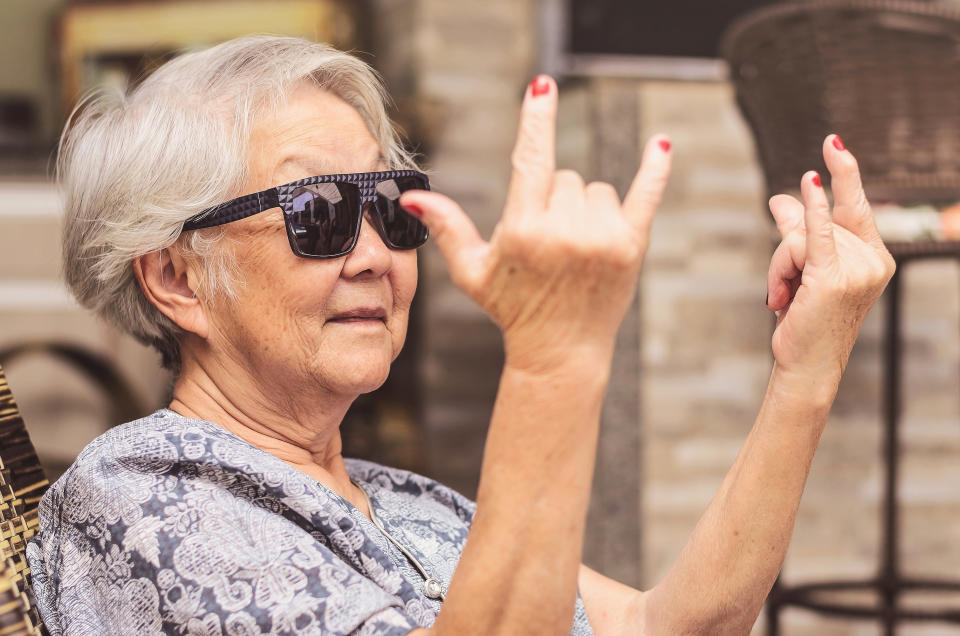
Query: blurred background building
x,y
693,356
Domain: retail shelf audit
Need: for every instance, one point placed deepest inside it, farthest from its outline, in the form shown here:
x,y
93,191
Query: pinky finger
x,y
647,188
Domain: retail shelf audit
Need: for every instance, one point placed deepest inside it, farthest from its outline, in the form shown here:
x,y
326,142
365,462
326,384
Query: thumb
x,y
455,234
788,213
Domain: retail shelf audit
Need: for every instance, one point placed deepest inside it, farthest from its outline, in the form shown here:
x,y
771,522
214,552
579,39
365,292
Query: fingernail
x,y
664,145
413,209
540,85
838,143
816,180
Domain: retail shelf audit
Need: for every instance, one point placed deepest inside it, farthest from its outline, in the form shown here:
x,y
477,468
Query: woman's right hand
x,y
561,268
827,273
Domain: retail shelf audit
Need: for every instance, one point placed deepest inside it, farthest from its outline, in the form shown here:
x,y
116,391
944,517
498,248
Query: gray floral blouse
x,y
170,525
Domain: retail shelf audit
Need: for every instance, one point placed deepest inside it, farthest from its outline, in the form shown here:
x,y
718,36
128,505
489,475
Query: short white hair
x,y
133,166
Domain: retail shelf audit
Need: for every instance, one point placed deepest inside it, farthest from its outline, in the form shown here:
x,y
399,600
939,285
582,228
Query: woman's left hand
x,y
828,270
826,274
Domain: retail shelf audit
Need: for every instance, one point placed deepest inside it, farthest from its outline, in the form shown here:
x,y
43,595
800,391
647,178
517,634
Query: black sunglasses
x,y
323,214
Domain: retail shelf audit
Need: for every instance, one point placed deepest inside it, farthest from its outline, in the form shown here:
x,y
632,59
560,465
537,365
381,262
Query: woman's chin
x,y
361,372
370,383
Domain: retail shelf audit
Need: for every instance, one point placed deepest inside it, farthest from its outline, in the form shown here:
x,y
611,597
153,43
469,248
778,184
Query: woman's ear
x,y
169,282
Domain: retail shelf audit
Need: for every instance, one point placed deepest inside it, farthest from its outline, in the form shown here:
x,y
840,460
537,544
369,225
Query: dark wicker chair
x,y
22,484
885,76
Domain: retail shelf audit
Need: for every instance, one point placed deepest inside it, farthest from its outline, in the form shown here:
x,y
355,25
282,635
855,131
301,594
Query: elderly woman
x,y
249,212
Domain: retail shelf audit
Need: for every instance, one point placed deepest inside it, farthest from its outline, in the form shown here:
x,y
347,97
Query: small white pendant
x,y
432,588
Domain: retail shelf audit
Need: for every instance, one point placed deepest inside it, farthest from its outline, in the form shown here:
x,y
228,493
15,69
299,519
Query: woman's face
x,y
306,324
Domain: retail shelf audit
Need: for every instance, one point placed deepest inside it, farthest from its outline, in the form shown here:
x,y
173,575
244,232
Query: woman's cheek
x,y
405,278
404,283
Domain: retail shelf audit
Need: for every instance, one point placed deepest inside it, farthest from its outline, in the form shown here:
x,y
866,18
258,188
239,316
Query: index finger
x,y
647,188
534,155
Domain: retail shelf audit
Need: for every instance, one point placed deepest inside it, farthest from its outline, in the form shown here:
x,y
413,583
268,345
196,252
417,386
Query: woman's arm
x,y
724,573
557,277
823,279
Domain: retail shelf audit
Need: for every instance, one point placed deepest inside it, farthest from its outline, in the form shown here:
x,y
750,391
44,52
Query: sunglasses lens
x,y
400,230
325,218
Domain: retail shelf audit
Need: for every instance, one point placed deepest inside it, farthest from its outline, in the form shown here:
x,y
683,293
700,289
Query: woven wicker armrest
x,y
22,484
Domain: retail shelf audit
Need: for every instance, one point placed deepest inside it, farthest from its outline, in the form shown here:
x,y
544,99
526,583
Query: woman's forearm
x,y
725,571
518,572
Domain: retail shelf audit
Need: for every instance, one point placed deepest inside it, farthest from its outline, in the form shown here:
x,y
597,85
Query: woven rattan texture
x,y
15,609
250,204
22,484
884,75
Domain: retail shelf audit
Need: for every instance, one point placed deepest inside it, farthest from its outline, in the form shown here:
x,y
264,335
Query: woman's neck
x,y
306,440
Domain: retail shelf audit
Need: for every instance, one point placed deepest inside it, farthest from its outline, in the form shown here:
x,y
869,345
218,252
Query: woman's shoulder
x,y
163,451
155,442
409,485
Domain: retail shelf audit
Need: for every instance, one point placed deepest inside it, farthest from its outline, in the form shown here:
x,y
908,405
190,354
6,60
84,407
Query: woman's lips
x,y
360,315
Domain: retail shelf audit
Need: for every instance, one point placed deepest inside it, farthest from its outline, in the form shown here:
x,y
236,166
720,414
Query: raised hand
x,y
561,266
828,270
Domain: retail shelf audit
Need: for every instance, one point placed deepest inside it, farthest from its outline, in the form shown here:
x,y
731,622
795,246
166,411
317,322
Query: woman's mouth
x,y
360,315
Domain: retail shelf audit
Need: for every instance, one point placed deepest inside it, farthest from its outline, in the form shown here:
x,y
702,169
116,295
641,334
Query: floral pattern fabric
x,y
170,525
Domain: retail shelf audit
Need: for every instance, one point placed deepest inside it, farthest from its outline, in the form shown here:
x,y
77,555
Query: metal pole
x,y
889,568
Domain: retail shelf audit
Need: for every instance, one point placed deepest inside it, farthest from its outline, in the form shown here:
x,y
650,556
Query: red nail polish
x,y
414,209
540,85
838,143
664,145
816,180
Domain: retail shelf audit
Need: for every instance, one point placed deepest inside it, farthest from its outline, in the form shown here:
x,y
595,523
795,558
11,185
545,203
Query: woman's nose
x,y
370,256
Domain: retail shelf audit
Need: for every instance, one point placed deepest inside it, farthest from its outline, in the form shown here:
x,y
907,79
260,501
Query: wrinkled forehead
x,y
312,132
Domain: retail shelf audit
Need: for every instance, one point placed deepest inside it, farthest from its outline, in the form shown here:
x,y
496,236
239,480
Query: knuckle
x,y
526,159
600,188
872,278
568,179
536,121
891,266
654,184
648,196
886,271
625,254
518,237
534,127
652,187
